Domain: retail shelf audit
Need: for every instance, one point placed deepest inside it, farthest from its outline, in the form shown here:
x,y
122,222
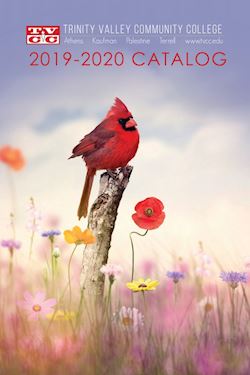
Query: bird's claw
x,y
113,173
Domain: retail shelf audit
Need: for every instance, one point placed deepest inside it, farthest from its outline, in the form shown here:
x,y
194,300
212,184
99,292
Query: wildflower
x,y
142,285
207,305
12,157
204,261
111,270
60,315
149,213
35,217
37,305
175,276
234,278
79,237
130,318
33,223
203,271
51,233
11,244
56,252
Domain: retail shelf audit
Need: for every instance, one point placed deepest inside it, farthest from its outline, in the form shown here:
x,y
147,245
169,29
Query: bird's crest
x,y
117,107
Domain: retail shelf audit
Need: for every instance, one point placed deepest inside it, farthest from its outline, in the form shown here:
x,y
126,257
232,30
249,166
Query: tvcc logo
x,y
43,35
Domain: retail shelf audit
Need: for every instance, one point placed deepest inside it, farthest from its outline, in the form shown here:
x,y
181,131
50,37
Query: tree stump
x,y
101,221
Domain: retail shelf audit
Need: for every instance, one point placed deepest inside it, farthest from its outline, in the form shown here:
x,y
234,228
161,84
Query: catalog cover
x,y
124,175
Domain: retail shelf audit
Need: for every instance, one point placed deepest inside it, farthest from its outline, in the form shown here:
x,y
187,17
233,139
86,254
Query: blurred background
x,y
194,126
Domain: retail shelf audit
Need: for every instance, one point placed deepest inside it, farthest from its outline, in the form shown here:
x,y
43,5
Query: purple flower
x,y
175,275
11,244
234,278
51,233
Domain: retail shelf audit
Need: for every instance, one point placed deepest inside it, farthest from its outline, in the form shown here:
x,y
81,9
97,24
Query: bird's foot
x,y
119,173
126,170
113,173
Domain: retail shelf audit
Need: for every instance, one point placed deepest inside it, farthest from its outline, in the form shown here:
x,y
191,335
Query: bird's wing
x,y
93,141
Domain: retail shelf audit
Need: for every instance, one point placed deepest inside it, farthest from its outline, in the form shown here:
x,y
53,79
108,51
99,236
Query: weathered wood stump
x,y
101,221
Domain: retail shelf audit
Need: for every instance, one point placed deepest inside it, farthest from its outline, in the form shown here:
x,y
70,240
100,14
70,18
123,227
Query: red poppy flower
x,y
149,213
13,157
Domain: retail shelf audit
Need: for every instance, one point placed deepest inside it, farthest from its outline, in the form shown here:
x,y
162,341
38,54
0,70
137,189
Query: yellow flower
x,y
79,237
61,315
141,285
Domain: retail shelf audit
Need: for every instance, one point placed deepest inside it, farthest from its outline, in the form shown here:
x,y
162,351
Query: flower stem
x,y
12,224
144,303
55,266
79,311
31,243
52,263
233,315
12,190
109,298
56,284
175,292
32,203
133,250
69,280
11,261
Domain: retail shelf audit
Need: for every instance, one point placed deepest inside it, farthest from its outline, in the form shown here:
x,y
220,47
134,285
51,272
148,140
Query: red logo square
x,y
43,35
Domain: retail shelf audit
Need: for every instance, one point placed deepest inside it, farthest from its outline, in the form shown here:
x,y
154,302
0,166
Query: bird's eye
x,y
122,121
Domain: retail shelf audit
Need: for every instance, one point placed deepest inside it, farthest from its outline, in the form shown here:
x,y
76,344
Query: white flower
x,y
130,318
111,270
207,304
205,309
205,259
204,262
34,218
203,271
56,252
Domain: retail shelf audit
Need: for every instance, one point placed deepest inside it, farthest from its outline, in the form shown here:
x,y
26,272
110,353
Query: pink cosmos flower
x,y
37,305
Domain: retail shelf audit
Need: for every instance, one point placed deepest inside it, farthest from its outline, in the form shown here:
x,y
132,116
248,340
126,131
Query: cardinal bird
x,y
112,144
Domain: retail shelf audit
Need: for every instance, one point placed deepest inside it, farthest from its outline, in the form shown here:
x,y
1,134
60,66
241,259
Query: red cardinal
x,y
112,144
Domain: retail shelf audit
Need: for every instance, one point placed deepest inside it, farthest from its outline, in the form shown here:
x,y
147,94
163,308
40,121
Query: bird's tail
x,y
83,207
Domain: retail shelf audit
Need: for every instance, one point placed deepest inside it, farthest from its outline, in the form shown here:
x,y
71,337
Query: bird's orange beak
x,y
131,123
